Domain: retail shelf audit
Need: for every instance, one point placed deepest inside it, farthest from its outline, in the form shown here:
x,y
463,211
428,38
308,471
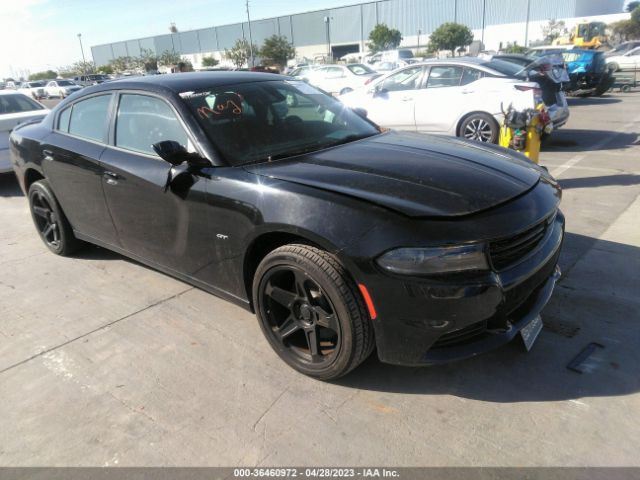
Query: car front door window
x,y
143,121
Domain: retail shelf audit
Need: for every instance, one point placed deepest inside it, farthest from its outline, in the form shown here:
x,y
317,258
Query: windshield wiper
x,y
309,148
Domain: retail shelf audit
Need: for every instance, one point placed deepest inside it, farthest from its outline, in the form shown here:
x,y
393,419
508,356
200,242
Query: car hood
x,y
414,174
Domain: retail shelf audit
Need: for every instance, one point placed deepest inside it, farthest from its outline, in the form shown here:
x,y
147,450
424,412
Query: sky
x,y
37,35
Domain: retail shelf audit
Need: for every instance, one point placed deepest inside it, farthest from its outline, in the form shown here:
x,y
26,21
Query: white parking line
x,y
598,146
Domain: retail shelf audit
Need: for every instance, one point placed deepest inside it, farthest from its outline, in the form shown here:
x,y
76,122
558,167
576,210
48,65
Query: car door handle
x,y
110,177
406,99
48,155
467,91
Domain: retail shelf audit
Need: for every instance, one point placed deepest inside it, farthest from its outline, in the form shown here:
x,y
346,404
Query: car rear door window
x,y
470,75
143,121
63,120
444,76
89,118
407,79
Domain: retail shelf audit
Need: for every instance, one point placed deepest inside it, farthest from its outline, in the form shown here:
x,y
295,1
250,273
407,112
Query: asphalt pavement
x,y
106,362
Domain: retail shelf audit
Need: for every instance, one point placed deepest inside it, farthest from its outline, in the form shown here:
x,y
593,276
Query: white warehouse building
x,y
342,30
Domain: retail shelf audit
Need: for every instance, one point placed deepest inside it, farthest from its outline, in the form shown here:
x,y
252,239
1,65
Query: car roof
x,y
12,92
185,81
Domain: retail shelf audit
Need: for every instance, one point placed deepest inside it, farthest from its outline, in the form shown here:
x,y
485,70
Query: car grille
x,y
509,250
461,336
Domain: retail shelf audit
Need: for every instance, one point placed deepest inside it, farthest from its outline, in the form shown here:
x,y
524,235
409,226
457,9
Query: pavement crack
x,y
102,327
255,425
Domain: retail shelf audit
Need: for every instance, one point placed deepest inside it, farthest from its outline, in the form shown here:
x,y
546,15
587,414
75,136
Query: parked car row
x,y
463,97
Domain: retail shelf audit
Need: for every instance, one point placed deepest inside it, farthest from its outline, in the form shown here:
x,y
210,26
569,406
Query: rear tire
x,y
312,312
50,221
480,127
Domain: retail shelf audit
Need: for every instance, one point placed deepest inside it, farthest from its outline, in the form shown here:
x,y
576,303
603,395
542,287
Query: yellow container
x,y
532,142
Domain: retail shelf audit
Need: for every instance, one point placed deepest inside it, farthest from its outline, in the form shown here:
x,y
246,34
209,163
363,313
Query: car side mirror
x,y
379,91
175,154
361,112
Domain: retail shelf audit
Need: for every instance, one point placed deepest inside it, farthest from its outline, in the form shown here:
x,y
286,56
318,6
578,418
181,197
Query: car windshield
x,y
359,69
17,103
265,121
65,83
36,84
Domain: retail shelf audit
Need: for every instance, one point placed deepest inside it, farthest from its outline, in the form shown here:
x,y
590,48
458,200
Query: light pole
x,y
327,21
84,62
418,47
250,37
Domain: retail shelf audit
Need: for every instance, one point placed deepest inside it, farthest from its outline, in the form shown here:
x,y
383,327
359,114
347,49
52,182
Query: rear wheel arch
x,y
31,176
489,116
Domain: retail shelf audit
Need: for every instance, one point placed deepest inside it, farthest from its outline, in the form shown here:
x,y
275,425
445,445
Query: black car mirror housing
x,y
174,153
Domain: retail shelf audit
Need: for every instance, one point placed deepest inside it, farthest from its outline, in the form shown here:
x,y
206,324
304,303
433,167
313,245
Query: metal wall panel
x,y
133,48
409,16
189,42
207,39
163,43
548,9
369,19
310,28
285,28
102,54
345,24
499,11
147,44
469,13
262,29
120,49
228,34
588,8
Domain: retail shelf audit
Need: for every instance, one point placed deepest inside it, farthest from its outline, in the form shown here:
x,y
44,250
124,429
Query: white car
x,y
628,61
34,89
15,108
461,97
60,88
341,78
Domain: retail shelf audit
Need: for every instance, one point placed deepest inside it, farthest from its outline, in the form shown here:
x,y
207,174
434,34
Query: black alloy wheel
x,y
480,127
311,312
50,221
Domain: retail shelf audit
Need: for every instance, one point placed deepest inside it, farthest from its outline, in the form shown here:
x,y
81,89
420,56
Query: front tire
x,y
50,221
480,127
311,311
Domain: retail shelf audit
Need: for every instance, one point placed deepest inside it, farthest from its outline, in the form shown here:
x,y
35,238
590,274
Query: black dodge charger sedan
x,y
269,193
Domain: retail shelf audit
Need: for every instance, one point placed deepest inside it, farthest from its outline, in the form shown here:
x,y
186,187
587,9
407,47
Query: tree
x,y
169,58
554,29
276,50
383,38
514,48
240,52
106,69
209,62
631,6
46,75
122,64
450,36
78,68
148,60
635,14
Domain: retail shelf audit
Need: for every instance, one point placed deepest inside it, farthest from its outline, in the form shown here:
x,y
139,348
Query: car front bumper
x,y
423,322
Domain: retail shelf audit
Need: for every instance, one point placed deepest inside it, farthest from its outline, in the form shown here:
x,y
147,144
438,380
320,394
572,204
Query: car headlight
x,y
427,261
